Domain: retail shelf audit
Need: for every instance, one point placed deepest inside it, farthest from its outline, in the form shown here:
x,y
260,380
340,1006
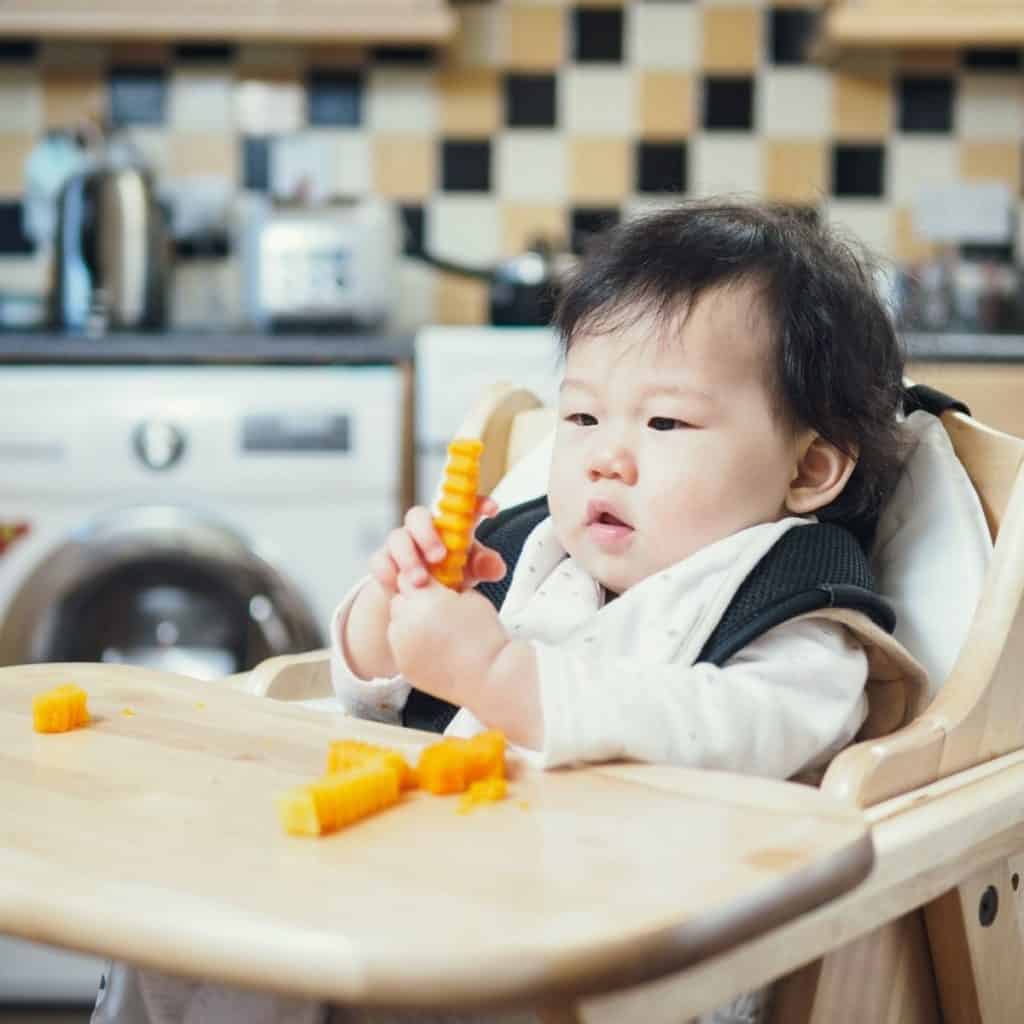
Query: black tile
x,y
530,101
256,163
410,55
661,166
137,95
992,60
986,252
334,98
597,34
790,33
925,104
466,165
729,103
13,240
858,170
586,222
204,53
18,50
413,228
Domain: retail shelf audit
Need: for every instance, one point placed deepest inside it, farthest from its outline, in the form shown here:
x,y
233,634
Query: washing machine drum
x,y
161,588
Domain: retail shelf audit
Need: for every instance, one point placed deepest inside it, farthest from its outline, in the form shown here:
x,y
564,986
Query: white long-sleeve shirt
x,y
618,679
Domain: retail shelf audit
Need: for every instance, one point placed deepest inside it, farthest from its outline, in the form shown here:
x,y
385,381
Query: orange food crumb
x,y
128,713
60,709
452,764
486,791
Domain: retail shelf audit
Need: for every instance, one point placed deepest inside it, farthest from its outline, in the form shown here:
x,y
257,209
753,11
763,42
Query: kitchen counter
x,y
184,347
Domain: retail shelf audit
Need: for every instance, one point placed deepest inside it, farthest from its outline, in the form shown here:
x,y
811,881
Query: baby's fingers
x,y
383,570
485,565
419,522
406,555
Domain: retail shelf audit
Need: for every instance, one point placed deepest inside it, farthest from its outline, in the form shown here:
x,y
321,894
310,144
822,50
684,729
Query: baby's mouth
x,y
607,529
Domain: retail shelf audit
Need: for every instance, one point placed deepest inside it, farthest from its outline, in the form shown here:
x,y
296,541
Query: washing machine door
x,y
160,587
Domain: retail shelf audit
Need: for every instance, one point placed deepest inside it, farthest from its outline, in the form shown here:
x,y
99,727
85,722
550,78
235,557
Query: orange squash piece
x,y
60,709
457,508
486,791
345,754
452,764
339,799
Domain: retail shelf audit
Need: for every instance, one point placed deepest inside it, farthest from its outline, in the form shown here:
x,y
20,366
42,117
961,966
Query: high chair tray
x,y
151,835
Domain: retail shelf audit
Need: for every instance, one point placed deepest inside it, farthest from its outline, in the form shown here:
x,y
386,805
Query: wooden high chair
x,y
935,932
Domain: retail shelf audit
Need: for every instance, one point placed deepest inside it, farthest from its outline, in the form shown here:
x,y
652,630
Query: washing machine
x,y
193,519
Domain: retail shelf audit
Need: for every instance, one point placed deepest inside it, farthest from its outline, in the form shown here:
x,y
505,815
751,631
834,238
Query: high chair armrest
x,y
304,676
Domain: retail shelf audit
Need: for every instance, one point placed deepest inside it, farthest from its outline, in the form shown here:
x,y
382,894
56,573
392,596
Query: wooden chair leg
x,y
976,942
884,977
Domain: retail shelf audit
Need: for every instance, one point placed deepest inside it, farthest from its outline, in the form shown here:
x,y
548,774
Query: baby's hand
x,y
442,641
413,547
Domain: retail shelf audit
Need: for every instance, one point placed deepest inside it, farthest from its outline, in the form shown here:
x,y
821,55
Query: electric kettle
x,y
112,254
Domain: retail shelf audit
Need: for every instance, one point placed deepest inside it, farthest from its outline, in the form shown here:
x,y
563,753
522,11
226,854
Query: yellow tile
x,y
470,101
732,38
600,170
522,224
794,170
534,37
403,167
861,105
70,97
905,245
666,105
14,150
202,153
992,161
461,300
947,59
477,40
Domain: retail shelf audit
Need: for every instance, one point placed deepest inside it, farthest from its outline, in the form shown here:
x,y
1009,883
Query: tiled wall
x,y
542,117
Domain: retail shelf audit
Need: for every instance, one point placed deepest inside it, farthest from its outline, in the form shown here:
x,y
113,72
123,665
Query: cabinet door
x,y
364,21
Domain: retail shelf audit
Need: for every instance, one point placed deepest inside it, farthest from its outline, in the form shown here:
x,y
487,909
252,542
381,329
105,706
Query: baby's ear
x,y
821,474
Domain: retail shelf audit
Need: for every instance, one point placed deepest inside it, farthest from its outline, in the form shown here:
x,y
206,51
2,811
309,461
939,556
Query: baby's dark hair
x,y
837,366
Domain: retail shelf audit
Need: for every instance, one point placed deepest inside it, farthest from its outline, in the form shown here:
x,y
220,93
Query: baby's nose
x,y
614,462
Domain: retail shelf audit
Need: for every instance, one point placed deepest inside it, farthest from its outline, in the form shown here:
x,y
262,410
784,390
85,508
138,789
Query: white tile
x,y
794,103
270,108
990,107
402,100
665,36
726,164
417,296
868,221
303,165
352,163
464,229
914,163
21,101
206,294
531,166
151,144
597,101
201,101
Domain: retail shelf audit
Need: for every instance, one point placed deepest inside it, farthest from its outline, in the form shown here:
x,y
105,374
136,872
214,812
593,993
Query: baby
x,y
731,379
730,376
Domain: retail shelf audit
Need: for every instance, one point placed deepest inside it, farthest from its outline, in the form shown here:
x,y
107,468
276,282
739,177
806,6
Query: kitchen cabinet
x,y
994,392
907,24
360,21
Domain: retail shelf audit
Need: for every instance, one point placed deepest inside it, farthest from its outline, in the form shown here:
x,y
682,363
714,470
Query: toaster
x,y
326,267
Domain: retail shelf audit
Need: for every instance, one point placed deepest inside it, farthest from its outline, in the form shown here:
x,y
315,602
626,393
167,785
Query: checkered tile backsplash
x,y
542,118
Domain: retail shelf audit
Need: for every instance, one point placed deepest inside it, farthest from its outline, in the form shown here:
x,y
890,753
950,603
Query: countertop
x,y
252,347
181,347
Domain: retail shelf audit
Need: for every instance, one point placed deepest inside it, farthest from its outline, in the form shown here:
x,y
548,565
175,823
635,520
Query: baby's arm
x,y
784,703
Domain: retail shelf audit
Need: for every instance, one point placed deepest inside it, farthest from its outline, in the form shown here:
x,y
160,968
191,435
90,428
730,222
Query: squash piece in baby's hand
x,y
60,710
452,764
339,798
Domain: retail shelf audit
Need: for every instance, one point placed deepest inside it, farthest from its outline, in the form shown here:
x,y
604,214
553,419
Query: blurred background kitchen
x,y
256,260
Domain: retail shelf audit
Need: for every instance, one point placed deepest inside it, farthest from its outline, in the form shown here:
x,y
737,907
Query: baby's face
x,y
667,441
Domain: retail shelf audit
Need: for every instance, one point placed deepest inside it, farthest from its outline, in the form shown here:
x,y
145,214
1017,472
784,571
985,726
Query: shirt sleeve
x,y
380,700
788,701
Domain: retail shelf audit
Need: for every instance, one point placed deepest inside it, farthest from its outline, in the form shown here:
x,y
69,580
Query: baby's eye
x,y
666,423
581,419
